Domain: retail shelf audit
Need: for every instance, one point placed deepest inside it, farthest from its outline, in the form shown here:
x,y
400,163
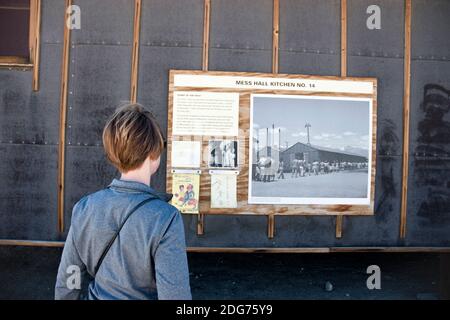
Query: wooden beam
x,y
14,8
270,226
206,27
339,223
135,52
16,66
406,111
35,58
200,224
275,35
31,243
343,38
40,243
4,60
321,250
63,118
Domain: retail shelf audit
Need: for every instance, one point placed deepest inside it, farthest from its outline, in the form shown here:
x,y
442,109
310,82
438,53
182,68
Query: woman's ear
x,y
154,165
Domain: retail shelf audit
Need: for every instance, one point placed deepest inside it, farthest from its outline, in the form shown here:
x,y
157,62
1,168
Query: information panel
x,y
253,143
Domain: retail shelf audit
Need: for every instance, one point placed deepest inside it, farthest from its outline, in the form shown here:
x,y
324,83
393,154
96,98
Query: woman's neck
x,y
137,176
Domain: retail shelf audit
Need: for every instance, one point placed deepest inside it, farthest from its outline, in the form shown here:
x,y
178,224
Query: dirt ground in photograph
x,y
345,184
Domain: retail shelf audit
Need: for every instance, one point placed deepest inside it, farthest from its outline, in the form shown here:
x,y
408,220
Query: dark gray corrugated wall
x,y
240,40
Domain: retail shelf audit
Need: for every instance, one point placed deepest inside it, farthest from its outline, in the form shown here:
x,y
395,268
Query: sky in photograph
x,y
337,124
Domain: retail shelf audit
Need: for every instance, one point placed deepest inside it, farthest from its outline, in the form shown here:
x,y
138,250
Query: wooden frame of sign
x,y
247,84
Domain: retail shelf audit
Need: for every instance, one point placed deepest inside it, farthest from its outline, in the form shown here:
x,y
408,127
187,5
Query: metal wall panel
x,y
306,46
309,63
241,36
87,171
27,116
241,24
172,23
14,104
310,25
430,128
240,60
384,42
389,73
428,219
430,29
105,22
52,21
28,192
99,82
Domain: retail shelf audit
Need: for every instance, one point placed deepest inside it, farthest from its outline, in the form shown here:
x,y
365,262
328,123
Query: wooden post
x,y
275,35
32,29
205,66
35,40
444,276
270,226
200,224
339,223
135,52
343,38
340,218
63,119
406,107
206,27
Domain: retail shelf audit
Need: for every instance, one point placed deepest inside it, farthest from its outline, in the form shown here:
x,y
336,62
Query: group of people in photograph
x,y
301,168
268,170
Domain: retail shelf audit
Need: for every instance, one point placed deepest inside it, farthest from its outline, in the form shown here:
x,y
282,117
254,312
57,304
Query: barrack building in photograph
x,y
311,153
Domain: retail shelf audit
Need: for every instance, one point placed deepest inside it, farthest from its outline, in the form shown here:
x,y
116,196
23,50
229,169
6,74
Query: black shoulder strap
x,y
117,233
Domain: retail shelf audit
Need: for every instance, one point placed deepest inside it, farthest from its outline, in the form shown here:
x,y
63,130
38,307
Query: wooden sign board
x,y
298,144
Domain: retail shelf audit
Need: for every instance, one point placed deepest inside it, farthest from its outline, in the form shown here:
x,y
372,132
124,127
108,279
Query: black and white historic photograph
x,y
310,149
223,154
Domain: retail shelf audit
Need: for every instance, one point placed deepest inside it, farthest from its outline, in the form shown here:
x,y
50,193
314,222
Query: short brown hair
x,y
130,136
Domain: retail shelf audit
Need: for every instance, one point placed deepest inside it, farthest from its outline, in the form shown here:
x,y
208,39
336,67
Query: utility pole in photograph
x,y
307,126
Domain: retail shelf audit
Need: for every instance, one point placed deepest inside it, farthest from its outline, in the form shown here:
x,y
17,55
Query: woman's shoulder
x,y
161,208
